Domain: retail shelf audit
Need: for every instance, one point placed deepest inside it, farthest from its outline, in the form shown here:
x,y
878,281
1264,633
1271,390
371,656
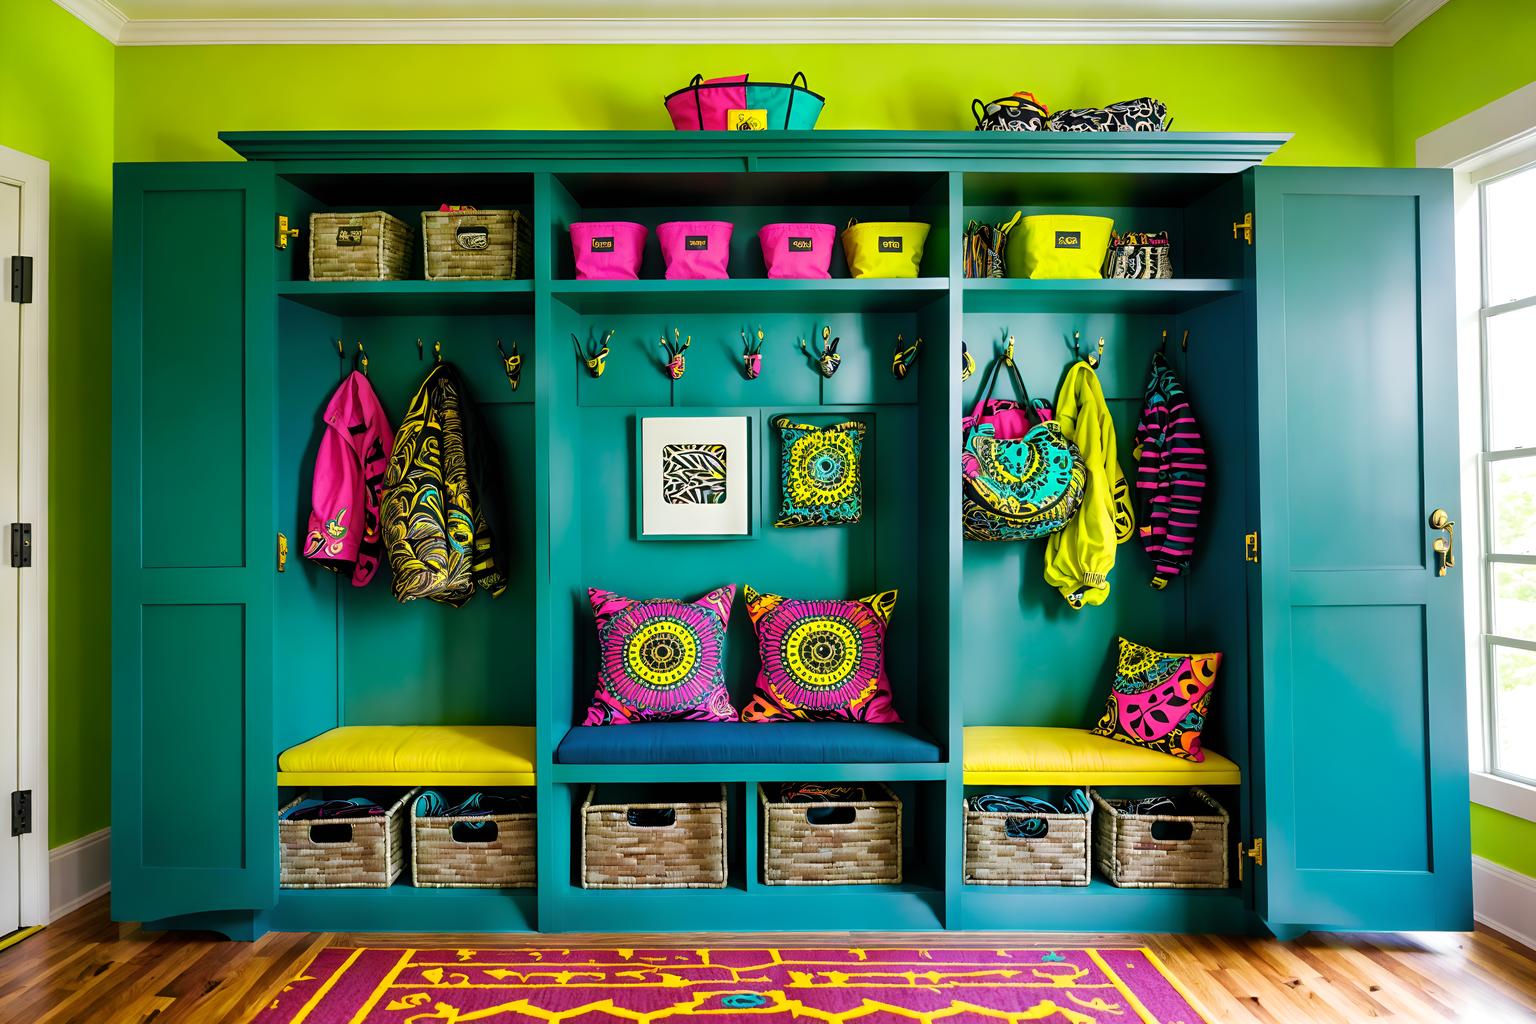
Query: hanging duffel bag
x,y
734,104
1016,488
1143,115
1020,112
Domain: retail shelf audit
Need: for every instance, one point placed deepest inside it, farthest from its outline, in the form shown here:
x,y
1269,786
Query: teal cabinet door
x,y
1360,731
193,541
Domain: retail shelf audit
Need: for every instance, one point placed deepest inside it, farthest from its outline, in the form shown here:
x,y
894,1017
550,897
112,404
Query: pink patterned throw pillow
x,y
661,660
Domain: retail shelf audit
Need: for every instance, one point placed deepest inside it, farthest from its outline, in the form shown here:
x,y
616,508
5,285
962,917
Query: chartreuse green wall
x,y
172,100
56,104
1464,56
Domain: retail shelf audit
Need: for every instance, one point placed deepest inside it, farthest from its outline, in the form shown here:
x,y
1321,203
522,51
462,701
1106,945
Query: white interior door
x,y
10,579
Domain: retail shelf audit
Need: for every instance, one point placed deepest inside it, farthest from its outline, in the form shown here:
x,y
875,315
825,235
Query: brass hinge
x,y
1251,547
1244,227
1254,852
284,232
282,552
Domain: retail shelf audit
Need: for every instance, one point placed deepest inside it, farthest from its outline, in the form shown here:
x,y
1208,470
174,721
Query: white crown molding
x,y
726,31
1408,16
102,16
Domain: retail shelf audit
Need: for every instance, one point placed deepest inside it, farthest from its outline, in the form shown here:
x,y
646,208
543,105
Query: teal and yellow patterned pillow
x,y
819,472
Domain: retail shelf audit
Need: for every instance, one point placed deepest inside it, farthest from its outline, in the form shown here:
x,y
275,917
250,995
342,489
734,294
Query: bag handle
x,y
978,110
991,386
789,108
698,104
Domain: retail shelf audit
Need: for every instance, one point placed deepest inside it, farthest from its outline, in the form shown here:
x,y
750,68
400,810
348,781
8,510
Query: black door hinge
x,y
21,279
21,812
21,545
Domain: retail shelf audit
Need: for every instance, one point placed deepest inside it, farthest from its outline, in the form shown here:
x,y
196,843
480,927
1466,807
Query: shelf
x,y
1020,295
752,295
930,771
1101,907
404,907
410,298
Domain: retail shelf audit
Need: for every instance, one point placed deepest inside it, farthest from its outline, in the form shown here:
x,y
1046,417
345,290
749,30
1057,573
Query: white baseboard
x,y
79,872
1504,900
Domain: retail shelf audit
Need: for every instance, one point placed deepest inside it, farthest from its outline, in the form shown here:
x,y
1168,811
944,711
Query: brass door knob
x,y
1445,547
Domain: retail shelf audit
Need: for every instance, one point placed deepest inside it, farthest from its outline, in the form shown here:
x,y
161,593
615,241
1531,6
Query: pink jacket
x,y
349,482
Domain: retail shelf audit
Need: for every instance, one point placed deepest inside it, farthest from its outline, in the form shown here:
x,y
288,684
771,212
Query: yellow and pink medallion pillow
x,y
1159,700
821,660
661,660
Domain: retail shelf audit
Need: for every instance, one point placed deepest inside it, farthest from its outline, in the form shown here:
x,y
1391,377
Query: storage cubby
x,y
216,344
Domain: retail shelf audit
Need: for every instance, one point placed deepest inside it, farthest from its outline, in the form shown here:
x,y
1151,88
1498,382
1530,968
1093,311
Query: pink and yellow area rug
x,y
550,985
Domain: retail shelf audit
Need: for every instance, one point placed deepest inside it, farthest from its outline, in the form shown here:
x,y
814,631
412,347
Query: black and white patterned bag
x,y
1143,115
1020,112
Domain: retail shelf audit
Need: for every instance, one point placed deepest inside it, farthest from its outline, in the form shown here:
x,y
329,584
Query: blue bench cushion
x,y
745,743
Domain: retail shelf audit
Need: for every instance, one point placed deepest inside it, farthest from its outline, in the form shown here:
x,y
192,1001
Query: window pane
x,y
1512,492
1511,369
1514,711
1514,601
1511,224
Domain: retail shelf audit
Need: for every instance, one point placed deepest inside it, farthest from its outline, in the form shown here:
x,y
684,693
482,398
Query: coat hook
x,y
1163,345
905,357
341,349
1184,341
752,353
362,359
967,363
437,352
1008,350
1077,349
1095,358
420,351
512,364
677,363
825,358
594,356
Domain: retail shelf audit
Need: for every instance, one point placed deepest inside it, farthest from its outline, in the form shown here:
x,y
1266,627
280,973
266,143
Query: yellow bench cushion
x,y
1041,756
414,755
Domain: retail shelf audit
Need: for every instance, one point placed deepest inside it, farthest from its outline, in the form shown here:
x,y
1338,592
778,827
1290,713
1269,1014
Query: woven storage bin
x,y
359,247
441,858
476,245
863,847
1130,857
371,857
676,844
1062,856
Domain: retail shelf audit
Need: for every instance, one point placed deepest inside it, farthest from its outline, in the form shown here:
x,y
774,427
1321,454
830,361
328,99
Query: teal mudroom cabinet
x,y
1319,356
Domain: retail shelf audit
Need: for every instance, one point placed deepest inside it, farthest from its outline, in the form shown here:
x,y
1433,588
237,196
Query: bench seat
x,y
1043,756
746,743
412,755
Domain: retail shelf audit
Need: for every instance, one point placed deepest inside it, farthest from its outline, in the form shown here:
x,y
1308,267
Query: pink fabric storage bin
x,y
695,108
608,250
695,250
798,250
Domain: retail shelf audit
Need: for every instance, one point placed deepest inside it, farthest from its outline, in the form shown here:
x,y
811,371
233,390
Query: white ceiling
x,y
1308,22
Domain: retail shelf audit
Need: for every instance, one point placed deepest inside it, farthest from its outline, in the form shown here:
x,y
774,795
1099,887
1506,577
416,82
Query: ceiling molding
x,y
725,31
102,16
1408,16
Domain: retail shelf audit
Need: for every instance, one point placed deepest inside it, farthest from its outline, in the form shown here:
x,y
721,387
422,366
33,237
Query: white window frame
x,y
1484,145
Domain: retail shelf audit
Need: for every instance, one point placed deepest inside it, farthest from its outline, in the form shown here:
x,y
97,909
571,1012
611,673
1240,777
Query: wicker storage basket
x,y
446,854
366,852
359,247
476,245
1133,852
832,843
1061,856
678,844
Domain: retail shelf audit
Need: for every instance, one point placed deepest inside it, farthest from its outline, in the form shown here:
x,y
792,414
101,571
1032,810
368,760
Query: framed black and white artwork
x,y
695,477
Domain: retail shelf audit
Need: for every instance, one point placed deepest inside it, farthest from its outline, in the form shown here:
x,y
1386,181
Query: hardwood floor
x,y
87,969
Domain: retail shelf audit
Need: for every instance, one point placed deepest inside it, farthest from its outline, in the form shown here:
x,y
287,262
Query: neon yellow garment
x,y
1078,559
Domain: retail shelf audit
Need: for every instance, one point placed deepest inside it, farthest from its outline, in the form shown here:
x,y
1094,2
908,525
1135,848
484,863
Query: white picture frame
x,y
670,504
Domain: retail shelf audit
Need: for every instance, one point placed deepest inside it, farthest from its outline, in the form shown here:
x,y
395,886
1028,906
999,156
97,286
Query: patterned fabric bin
x,y
832,842
674,844
477,245
359,247
997,853
474,851
1161,851
366,852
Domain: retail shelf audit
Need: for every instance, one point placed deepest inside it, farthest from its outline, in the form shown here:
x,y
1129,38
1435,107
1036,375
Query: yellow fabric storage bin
x,y
1045,756
1057,246
886,248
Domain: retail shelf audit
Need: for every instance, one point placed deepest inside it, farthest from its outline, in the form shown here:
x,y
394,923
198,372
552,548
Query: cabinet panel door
x,y
193,793
1361,723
